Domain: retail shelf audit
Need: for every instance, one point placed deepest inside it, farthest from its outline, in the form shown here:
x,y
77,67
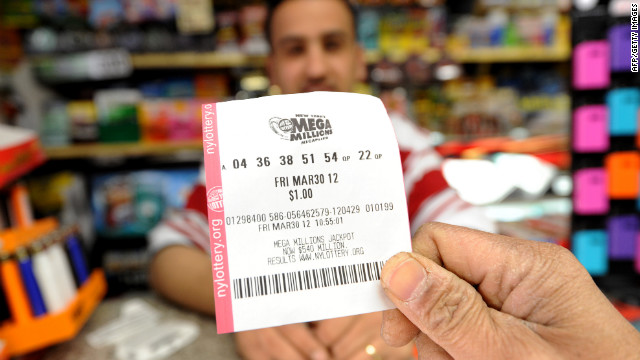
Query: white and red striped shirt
x,y
429,197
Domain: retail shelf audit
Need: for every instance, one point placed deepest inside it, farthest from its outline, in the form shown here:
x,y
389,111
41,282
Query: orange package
x,y
623,170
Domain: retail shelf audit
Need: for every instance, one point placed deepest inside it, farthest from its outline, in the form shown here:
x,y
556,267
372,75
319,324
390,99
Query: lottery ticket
x,y
305,202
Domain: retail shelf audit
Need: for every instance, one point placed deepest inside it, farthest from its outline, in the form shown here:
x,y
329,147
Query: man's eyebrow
x,y
294,39
290,40
336,33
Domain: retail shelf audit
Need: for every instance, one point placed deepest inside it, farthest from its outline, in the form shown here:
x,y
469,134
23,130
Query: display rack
x,y
24,332
213,59
195,60
512,54
122,149
605,146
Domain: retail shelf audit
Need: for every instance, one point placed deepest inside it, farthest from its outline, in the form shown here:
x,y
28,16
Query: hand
x,y
288,342
466,294
357,337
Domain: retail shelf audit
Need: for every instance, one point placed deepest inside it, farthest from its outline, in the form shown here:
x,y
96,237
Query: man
x,y
313,48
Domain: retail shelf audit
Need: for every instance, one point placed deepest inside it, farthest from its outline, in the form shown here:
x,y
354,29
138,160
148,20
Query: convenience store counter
x,y
208,344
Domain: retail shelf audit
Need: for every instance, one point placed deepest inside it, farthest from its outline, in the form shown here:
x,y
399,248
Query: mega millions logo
x,y
303,128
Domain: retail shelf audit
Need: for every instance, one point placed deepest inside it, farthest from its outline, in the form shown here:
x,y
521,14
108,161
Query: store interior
x,y
533,105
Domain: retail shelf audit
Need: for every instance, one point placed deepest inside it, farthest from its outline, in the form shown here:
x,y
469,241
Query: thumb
x,y
444,307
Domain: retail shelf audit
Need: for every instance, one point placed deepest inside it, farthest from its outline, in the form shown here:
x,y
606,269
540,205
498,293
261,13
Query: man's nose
x,y
317,64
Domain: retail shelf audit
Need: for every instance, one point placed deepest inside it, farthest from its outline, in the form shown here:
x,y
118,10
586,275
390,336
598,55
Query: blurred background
x,y
534,104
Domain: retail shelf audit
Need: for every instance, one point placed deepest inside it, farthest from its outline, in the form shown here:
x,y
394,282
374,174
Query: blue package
x,y
369,29
590,248
104,14
623,104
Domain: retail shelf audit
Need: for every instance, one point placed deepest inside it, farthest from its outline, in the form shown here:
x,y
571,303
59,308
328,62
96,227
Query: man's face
x,y
314,47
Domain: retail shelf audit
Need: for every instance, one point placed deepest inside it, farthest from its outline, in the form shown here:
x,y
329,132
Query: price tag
x,y
306,202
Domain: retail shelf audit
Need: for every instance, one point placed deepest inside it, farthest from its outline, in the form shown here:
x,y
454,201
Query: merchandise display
x,y
498,28
132,203
34,301
157,111
605,157
46,282
468,109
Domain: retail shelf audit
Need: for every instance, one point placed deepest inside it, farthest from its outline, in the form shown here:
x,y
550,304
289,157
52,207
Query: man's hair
x,y
272,5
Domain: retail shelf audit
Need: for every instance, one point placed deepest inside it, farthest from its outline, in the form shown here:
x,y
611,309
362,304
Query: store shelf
x,y
480,55
194,60
122,149
212,59
373,56
226,60
514,54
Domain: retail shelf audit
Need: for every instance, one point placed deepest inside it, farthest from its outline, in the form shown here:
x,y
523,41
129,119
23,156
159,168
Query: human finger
x,y
330,330
377,349
444,307
303,339
497,264
249,346
428,349
274,344
364,330
396,329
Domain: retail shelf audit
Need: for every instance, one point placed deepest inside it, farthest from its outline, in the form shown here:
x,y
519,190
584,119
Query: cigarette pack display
x,y
605,158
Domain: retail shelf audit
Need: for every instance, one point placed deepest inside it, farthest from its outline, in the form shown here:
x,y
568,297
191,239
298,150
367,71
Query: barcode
x,y
306,279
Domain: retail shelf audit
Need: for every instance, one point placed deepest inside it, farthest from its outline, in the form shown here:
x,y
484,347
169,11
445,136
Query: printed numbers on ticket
x,y
306,202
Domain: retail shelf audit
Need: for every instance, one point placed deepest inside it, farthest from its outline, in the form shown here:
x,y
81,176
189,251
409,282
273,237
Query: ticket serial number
x,y
321,216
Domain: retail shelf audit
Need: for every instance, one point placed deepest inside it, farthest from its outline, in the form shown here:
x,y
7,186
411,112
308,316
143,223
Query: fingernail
x,y
407,280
